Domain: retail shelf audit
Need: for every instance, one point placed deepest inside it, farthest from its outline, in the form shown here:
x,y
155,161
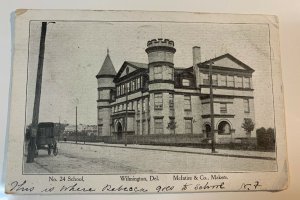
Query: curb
x,y
180,151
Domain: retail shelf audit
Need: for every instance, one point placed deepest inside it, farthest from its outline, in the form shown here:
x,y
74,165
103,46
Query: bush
x,y
265,138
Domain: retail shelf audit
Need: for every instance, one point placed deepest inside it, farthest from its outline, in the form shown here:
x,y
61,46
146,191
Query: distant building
x,y
158,95
89,129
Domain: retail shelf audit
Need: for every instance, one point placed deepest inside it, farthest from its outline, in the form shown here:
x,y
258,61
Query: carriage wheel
x,y
49,151
55,151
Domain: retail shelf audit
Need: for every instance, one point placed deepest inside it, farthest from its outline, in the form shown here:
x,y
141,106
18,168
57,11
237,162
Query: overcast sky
x,y
75,52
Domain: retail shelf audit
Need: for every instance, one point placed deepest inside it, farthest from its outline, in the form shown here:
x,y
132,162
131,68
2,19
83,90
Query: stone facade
x,y
158,98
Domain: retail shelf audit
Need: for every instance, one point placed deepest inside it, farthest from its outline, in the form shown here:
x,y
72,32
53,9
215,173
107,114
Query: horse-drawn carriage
x,y
45,138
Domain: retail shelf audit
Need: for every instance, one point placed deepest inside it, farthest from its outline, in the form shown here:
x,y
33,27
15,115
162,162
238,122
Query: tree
x,y
248,126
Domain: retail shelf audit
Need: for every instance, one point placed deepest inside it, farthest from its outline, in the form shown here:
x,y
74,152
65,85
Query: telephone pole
x,y
37,98
126,113
76,131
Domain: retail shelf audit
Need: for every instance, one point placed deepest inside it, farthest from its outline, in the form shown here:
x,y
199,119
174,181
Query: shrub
x,y
265,138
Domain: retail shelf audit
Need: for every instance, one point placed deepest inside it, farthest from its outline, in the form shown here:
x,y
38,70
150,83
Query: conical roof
x,y
107,68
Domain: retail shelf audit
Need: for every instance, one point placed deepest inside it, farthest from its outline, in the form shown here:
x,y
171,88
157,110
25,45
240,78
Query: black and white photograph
x,y
144,97
151,99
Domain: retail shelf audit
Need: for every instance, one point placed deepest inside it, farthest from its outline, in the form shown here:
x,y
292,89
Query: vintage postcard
x,y
145,102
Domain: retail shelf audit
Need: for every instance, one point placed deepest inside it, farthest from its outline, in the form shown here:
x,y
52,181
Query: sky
x,y
75,51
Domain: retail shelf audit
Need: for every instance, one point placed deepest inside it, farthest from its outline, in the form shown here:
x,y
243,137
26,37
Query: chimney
x,y
196,60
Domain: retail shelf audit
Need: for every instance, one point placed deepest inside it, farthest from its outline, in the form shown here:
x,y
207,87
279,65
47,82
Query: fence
x,y
158,139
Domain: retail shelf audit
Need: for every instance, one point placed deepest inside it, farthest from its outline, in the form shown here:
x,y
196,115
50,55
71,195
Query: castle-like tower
x,y
161,81
106,88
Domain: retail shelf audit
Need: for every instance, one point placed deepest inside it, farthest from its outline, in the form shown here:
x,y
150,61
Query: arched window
x,y
224,128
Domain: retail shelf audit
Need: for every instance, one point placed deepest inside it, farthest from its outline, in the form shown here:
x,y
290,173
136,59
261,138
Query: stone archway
x,y
224,128
207,130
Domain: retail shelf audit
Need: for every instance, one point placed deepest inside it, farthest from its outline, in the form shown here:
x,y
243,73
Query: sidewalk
x,y
220,152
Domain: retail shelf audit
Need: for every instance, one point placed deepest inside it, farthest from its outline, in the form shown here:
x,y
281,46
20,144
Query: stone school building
x,y
162,103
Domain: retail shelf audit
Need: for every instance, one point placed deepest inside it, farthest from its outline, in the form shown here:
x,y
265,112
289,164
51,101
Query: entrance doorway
x,y
119,131
207,130
224,128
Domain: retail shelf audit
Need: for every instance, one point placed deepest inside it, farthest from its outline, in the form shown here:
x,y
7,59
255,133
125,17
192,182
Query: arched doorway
x,y
224,128
207,130
119,131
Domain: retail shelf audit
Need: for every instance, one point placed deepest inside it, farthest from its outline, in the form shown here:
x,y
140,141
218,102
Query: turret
x,y
106,88
161,67
161,82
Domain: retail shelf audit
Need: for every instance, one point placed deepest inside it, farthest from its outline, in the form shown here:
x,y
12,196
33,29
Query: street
x,y
87,159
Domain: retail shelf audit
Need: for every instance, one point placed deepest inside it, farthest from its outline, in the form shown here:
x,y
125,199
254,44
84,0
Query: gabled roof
x,y
228,56
135,65
138,65
107,68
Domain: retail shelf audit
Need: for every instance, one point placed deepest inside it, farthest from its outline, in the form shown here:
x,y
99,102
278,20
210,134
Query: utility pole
x,y
76,131
126,113
58,128
212,122
36,106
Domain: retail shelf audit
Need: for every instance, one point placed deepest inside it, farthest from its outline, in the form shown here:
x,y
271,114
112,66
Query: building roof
x,y
107,68
138,65
230,57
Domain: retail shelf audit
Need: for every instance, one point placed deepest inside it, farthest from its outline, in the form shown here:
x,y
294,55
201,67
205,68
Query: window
x,y
144,131
138,127
239,82
246,106
148,105
133,85
230,81
128,87
128,106
138,106
138,83
127,70
113,95
187,102
214,79
188,126
99,114
171,101
158,101
185,82
205,79
118,90
158,72
247,82
158,126
122,89
170,74
224,128
223,108
144,105
100,130
222,80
